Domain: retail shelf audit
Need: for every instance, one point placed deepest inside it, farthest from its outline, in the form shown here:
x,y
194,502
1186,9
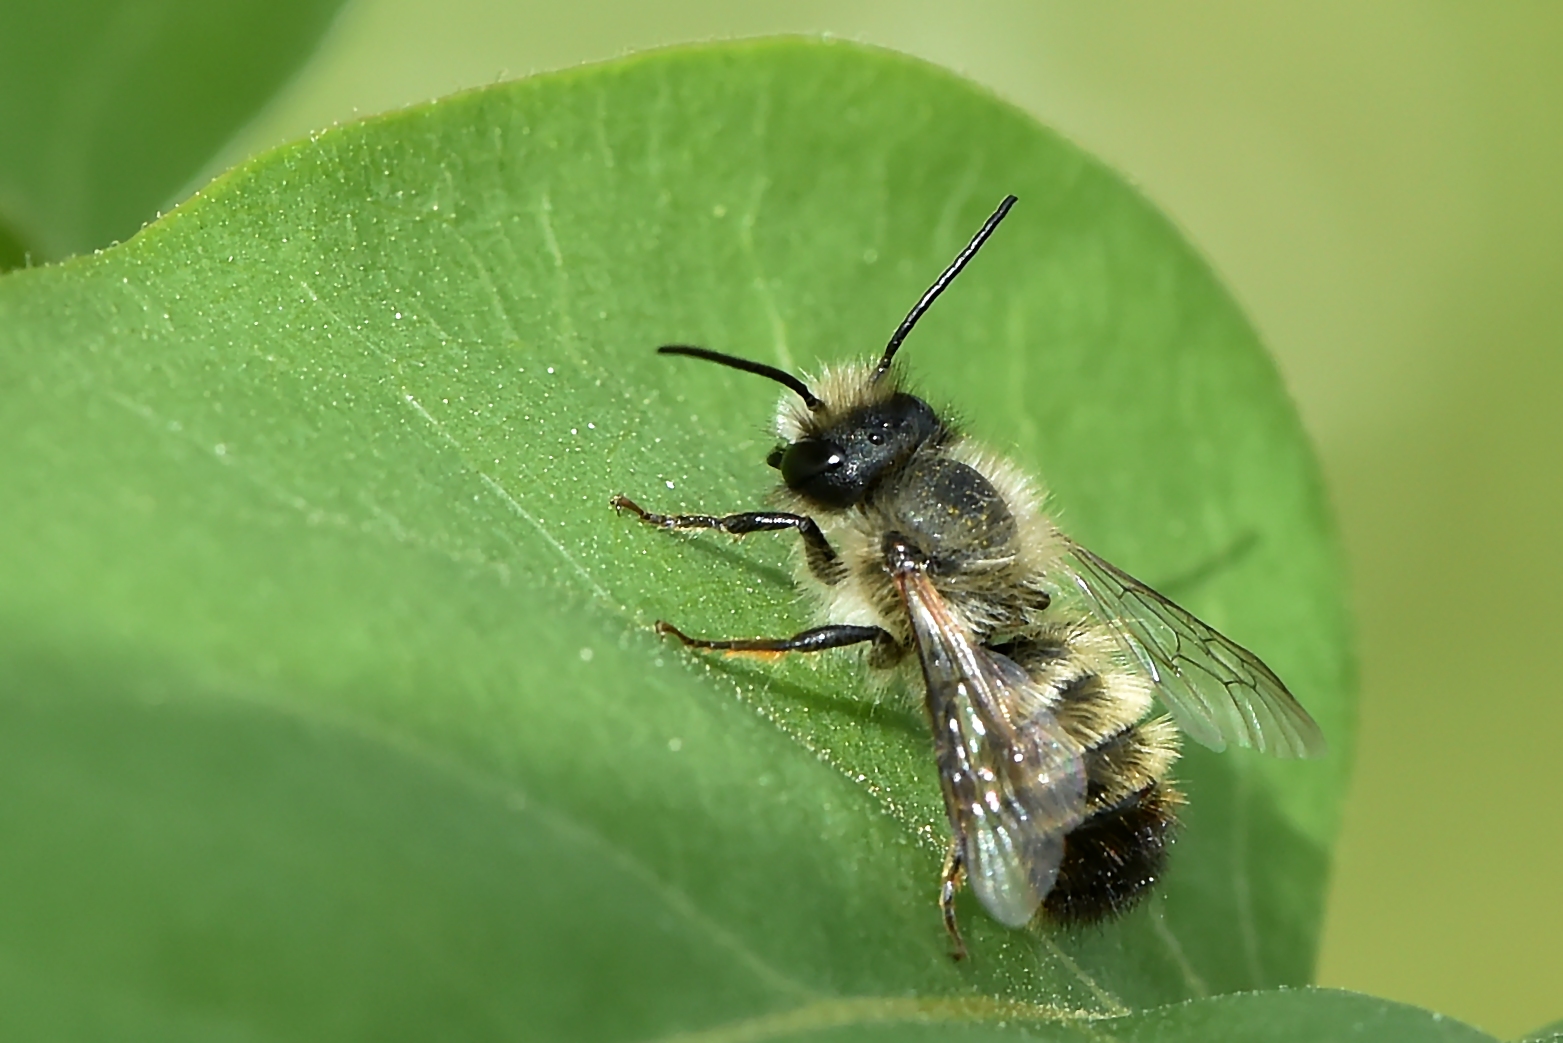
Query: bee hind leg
x,y
816,640
950,879
822,558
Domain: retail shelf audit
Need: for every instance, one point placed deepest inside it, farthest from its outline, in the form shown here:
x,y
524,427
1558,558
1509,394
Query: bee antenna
x,y
781,376
939,285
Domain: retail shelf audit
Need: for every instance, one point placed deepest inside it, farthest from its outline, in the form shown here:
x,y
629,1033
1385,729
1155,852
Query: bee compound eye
x,y
804,461
774,457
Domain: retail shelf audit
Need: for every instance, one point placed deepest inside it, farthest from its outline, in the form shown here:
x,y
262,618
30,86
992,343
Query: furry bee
x,y
1040,662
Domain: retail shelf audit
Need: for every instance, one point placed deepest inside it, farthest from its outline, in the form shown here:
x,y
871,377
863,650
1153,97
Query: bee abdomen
x,y
1093,697
1113,858
1124,764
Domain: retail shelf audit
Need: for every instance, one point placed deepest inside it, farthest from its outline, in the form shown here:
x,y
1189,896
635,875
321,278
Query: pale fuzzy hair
x,y
1143,757
1040,542
840,390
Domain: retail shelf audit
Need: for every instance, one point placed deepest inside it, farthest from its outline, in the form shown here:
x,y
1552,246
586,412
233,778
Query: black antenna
x,y
781,376
939,285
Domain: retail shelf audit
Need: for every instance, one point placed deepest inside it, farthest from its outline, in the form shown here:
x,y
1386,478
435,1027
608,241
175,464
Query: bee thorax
x,y
950,512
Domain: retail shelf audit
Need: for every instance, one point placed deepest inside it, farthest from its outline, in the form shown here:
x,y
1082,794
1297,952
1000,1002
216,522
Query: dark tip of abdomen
x,y
1113,858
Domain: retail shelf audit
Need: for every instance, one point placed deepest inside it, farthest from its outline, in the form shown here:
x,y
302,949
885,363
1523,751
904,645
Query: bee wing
x,y
1217,690
1014,781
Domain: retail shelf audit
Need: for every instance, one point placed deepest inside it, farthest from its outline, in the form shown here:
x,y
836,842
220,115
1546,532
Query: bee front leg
x,y
950,880
822,558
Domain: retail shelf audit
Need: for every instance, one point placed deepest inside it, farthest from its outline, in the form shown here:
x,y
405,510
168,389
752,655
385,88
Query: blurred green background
x,y
1380,187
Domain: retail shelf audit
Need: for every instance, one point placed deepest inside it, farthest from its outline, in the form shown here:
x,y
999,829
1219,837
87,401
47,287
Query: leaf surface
x,y
109,107
329,679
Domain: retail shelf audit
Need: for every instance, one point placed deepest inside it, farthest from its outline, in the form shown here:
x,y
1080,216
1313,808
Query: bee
x,y
1041,663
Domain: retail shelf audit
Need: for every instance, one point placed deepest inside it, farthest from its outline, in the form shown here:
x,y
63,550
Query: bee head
x,y
860,426
836,454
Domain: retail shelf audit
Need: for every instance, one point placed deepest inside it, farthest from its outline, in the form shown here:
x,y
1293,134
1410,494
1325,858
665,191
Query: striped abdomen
x,y
1114,856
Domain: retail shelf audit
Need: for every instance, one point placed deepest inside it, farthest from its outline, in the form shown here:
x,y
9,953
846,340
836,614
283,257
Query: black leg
x,y
815,640
950,882
823,562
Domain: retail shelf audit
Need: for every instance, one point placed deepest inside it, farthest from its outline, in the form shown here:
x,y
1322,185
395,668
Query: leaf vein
x,y
762,284
1191,977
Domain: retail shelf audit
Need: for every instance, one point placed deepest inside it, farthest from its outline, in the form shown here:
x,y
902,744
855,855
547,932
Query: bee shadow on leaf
x,y
1181,586
730,554
883,712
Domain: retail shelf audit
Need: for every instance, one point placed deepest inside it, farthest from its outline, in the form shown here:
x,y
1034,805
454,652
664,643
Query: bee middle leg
x,y
822,558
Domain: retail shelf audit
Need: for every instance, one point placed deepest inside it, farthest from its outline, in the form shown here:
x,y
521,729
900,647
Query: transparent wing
x,y
1217,690
1014,782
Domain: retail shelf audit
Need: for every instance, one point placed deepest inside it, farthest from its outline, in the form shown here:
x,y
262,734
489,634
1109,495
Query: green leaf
x,y
1549,1033
1293,1016
109,107
1283,1016
329,680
